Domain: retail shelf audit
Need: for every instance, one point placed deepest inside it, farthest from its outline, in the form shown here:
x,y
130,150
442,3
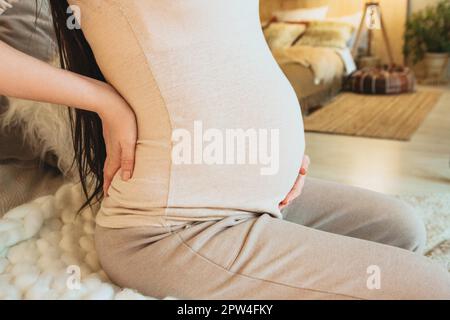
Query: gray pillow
x,y
28,27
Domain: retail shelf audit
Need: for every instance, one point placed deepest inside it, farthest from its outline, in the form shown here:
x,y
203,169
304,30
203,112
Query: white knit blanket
x,y
47,252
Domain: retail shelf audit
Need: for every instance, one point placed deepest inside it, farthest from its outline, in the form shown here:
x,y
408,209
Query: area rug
x,y
395,117
47,251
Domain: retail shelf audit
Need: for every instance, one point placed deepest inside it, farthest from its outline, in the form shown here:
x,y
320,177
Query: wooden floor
x,y
418,167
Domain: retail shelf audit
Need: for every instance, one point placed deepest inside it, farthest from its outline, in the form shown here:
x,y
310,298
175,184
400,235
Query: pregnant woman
x,y
156,84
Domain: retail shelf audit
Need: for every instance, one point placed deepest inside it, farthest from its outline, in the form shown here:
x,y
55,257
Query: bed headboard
x,y
336,7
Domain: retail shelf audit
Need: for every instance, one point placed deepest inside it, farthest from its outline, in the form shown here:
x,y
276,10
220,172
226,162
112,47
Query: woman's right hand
x,y
120,134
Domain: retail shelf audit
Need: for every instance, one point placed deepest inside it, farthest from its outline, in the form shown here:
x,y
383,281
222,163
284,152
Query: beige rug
x,y
394,117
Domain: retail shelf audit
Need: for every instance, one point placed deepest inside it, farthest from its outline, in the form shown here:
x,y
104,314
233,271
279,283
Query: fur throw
x,y
325,63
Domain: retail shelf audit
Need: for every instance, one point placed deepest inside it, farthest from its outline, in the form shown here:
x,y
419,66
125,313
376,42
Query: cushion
x,y
28,27
303,14
381,80
355,21
35,138
5,5
327,34
280,35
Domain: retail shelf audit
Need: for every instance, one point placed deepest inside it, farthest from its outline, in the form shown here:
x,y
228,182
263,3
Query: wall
x,y
336,6
416,5
394,15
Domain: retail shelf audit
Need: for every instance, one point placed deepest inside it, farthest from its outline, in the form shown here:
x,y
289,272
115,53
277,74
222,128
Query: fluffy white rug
x,y
435,211
47,252
44,248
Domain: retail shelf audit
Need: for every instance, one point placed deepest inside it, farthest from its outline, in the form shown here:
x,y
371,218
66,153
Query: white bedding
x,y
347,59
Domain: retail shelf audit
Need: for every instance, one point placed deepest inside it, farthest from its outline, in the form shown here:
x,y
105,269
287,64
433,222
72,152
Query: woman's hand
x,y
299,183
120,134
28,78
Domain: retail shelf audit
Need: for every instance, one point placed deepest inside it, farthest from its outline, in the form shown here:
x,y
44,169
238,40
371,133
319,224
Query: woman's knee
x,y
405,228
425,281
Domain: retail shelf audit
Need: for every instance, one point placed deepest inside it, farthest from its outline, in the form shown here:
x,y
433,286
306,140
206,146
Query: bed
x,y
311,96
312,91
312,47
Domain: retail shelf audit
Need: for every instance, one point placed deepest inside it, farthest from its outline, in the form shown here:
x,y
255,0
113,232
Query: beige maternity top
x,y
199,76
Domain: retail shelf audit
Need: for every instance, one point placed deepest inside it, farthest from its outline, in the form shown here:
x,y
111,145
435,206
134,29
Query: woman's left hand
x,y
299,183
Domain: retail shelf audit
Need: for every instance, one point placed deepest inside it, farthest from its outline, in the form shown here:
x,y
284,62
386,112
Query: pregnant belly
x,y
207,170
215,70
215,139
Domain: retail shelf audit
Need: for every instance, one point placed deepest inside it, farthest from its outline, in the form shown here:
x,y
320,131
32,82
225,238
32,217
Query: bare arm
x,y
25,77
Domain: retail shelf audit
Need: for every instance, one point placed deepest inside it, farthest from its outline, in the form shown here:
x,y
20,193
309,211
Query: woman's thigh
x,y
359,213
264,258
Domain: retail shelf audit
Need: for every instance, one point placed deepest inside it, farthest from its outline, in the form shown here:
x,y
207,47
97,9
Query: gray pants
x,y
336,242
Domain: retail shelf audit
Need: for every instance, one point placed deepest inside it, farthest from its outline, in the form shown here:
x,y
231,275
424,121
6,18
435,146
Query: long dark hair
x,y
87,132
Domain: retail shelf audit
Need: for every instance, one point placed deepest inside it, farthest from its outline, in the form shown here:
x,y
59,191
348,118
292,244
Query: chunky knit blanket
x,y
47,251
